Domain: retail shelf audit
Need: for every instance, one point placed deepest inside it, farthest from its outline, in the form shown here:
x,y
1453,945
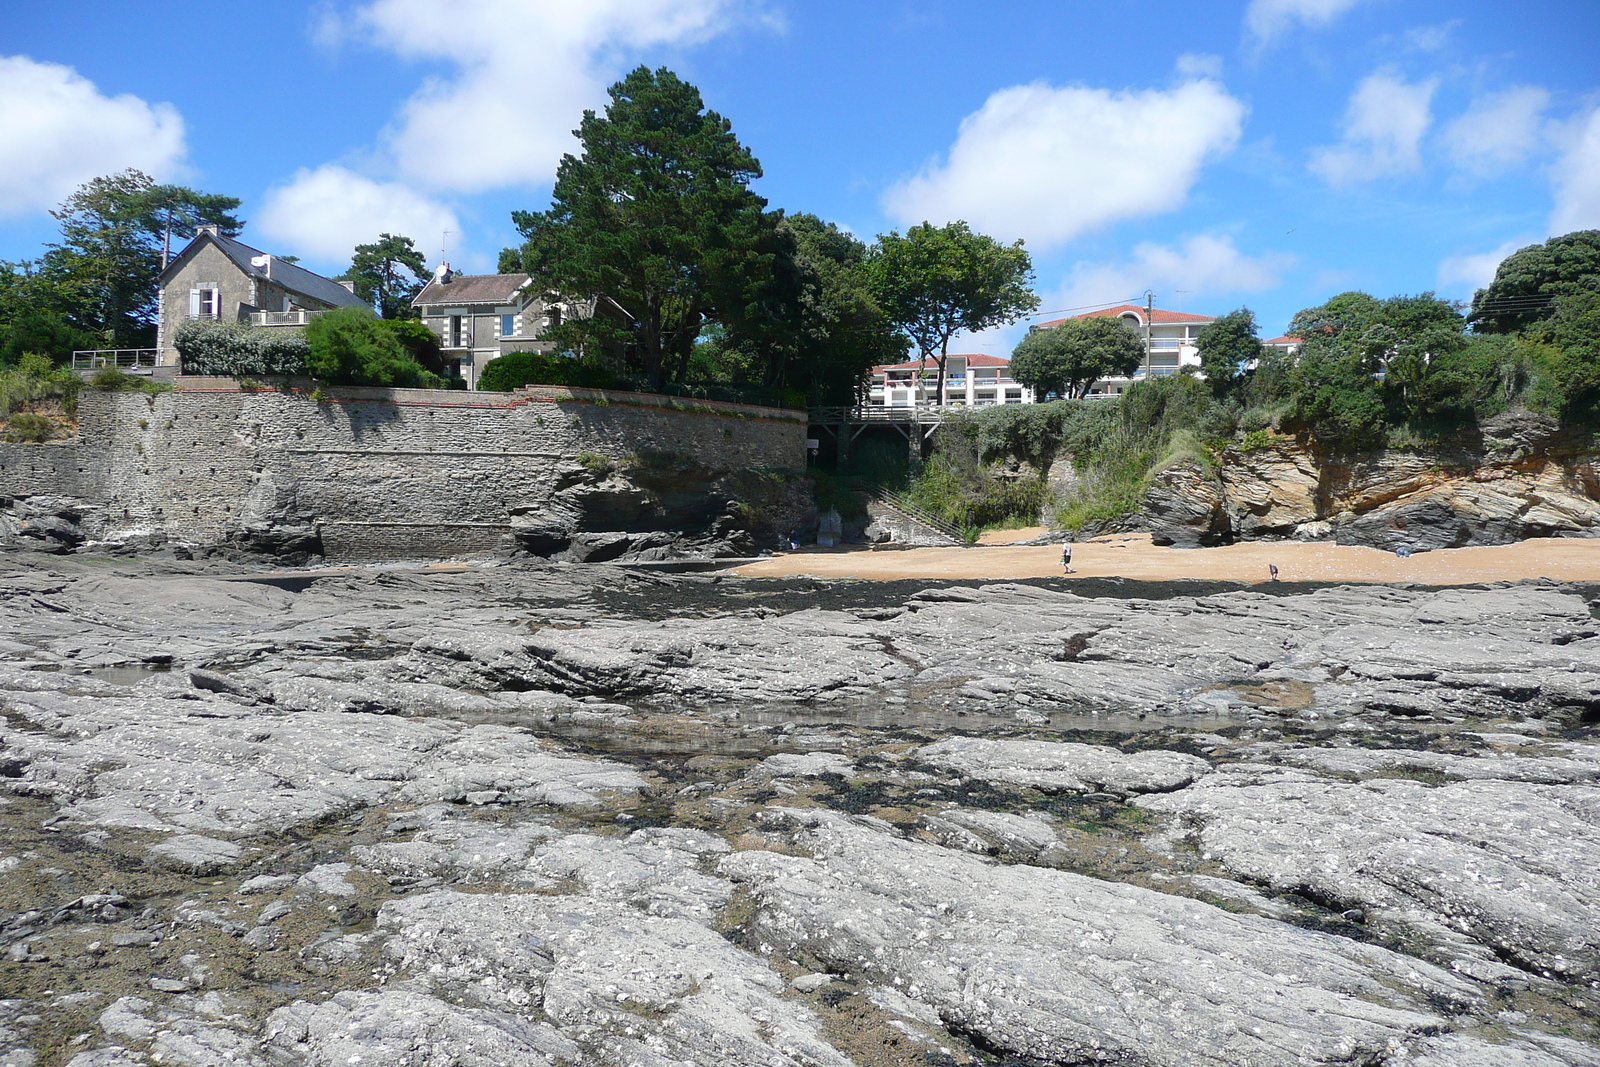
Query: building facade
x,y
1172,336
217,278
971,380
480,317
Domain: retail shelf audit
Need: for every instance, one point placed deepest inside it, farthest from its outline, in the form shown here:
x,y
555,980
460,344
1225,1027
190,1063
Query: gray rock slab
x,y
1510,863
402,1029
196,853
1063,968
596,967
1062,767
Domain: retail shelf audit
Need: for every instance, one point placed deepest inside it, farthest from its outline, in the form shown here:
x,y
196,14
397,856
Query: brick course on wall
x,y
385,473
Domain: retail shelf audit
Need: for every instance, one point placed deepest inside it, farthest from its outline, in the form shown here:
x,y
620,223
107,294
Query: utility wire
x,y
1085,307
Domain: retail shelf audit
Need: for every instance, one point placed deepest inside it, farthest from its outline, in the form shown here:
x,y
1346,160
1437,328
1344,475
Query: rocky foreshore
x,y
548,814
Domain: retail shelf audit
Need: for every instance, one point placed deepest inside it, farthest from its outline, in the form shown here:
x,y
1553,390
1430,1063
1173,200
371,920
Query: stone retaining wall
x,y
385,473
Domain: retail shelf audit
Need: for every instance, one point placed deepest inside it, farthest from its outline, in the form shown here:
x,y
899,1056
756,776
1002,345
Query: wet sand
x,y
1133,556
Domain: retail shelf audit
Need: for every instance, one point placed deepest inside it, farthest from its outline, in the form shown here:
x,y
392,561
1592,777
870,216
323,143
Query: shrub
x,y
28,427
37,380
517,369
351,346
231,349
116,380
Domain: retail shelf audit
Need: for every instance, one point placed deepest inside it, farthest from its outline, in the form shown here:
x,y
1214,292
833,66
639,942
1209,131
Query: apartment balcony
x,y
298,317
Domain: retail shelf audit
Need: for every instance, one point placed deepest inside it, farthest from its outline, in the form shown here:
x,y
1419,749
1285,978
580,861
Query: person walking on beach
x,y
1272,572
1066,557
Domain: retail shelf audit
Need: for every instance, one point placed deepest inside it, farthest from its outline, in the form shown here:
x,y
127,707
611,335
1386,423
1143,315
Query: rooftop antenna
x,y
444,239
1181,292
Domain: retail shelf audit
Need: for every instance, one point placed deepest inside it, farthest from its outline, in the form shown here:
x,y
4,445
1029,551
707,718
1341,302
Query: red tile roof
x,y
1159,316
975,359
1284,340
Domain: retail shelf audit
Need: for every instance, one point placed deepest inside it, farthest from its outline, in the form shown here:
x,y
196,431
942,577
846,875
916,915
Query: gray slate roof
x,y
473,289
293,278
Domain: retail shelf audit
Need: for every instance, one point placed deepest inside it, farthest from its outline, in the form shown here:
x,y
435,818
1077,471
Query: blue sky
x,y
1266,152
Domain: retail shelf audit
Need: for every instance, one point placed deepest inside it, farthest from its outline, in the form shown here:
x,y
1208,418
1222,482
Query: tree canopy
x,y
1069,358
1527,282
1227,346
651,226
937,281
388,274
817,325
96,285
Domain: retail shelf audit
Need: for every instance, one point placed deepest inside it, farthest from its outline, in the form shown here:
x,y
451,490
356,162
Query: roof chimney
x,y
350,285
442,274
208,228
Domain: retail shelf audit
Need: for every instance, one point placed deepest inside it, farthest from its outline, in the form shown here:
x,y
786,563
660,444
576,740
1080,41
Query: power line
x,y
1085,307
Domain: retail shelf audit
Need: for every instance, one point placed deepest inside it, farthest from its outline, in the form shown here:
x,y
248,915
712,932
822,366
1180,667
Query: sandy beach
x,y
1133,556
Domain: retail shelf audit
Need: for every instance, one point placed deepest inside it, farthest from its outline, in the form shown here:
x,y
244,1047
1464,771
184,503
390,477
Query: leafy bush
x,y
229,349
351,346
115,380
25,426
517,369
36,381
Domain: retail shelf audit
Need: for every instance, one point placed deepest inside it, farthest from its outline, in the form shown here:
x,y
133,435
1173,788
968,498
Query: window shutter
x,y
194,303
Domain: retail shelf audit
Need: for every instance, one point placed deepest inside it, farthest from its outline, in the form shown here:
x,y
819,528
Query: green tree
x,y
937,281
815,324
388,274
1527,282
1227,345
100,277
644,222
1069,358
350,346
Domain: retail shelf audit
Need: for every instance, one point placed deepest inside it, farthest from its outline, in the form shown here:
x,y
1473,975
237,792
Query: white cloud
x,y
1267,19
1471,271
1575,179
1200,65
1204,266
60,131
323,214
1498,131
1383,126
1047,164
524,72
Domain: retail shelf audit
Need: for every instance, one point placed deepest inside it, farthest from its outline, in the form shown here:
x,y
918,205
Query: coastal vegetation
x,y
1365,374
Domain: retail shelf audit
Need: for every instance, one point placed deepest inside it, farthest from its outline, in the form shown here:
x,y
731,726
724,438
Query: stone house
x,y
480,317
221,279
973,381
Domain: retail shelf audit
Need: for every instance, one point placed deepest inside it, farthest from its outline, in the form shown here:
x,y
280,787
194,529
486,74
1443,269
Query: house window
x,y
553,314
508,325
205,303
455,331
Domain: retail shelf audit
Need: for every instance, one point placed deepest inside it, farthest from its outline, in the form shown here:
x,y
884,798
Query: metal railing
x,y
895,502
297,317
99,358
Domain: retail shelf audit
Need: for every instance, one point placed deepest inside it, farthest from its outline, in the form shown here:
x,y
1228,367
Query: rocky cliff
x,y
1522,476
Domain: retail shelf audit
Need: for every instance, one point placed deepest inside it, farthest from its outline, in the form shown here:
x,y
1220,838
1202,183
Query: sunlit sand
x,y
1133,556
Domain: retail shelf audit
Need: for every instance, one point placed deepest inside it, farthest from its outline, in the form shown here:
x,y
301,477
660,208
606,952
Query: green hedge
x,y
517,369
229,349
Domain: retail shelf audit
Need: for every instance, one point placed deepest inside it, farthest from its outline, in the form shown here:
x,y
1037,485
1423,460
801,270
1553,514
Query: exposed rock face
x,y
1528,479
547,815
657,509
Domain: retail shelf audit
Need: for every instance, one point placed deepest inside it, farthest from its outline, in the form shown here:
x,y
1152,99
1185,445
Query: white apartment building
x,y
1172,342
971,380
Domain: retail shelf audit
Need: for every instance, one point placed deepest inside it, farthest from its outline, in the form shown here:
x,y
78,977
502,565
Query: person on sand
x,y
1066,557
1272,571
